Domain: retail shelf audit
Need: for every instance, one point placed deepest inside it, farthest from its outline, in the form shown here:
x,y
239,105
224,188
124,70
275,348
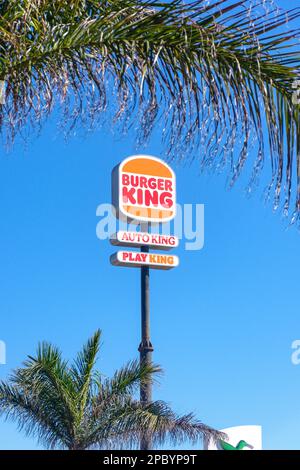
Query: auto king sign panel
x,y
152,240
144,190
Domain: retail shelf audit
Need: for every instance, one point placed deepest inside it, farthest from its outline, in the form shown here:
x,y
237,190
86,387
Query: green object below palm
x,y
241,445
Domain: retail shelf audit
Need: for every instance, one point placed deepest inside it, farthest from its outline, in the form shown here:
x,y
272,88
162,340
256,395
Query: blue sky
x,y
222,323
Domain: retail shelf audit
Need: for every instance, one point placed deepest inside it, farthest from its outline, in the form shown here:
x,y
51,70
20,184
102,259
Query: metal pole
x,y
145,347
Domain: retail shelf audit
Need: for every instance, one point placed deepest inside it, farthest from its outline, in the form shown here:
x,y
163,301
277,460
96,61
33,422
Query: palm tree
x,y
217,76
75,407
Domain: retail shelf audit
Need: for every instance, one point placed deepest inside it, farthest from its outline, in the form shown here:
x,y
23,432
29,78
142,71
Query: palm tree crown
x,y
219,76
74,407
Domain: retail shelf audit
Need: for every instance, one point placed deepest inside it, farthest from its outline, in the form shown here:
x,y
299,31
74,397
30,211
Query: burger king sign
x,y
144,189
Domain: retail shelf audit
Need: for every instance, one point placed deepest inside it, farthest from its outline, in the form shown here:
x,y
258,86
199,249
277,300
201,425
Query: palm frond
x,y
47,384
69,407
126,380
82,372
217,78
129,420
32,416
163,425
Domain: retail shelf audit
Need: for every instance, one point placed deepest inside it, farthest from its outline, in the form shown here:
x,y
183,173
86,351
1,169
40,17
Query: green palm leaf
x,y
217,78
73,407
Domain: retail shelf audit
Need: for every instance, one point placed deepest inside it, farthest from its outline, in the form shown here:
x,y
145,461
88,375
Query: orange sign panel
x,y
144,189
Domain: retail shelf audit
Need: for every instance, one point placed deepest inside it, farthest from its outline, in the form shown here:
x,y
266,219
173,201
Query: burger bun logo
x,y
144,190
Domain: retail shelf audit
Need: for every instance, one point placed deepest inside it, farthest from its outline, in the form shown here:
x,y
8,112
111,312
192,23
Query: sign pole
x,y
145,347
144,191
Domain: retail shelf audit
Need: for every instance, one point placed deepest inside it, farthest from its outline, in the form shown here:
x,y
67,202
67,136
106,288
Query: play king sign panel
x,y
138,260
144,190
